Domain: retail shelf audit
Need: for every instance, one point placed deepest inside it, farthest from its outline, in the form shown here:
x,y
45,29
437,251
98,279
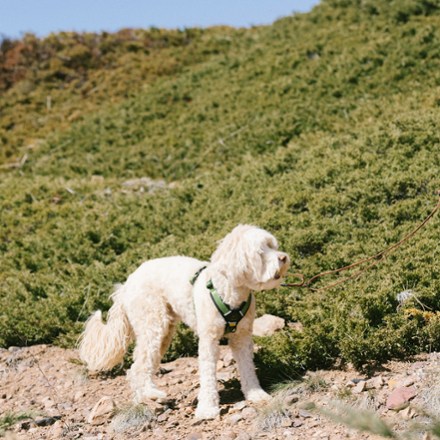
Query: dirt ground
x,y
45,393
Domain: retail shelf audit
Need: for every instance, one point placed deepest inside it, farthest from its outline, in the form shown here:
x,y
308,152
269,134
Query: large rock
x,y
102,411
400,397
267,325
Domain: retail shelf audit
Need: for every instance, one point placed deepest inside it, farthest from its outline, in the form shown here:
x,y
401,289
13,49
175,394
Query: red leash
x,y
374,260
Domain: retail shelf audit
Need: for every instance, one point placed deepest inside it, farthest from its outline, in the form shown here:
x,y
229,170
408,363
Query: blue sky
x,y
45,16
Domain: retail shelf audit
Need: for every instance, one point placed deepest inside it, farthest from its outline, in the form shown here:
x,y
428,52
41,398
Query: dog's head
x,y
249,256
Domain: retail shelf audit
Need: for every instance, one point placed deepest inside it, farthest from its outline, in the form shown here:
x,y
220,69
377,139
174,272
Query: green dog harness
x,y
231,316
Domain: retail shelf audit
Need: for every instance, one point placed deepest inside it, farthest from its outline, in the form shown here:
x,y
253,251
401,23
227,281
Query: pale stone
x,y
407,382
239,405
228,435
375,383
291,399
228,359
225,375
286,422
305,414
48,402
57,429
392,383
249,413
235,418
102,411
360,387
78,396
267,325
196,435
408,413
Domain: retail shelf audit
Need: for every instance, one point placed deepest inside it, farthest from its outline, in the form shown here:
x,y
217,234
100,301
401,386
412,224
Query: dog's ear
x,y
239,253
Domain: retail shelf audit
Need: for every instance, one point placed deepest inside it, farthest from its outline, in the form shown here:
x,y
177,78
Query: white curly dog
x,y
160,293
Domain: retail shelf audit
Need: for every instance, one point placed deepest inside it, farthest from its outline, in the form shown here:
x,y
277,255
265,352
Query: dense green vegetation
x,y
322,128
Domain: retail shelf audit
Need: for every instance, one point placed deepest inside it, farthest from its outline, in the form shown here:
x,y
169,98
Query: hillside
x,y
322,128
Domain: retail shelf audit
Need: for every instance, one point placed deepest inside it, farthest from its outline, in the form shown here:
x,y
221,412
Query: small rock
x,y
78,396
235,418
228,435
48,403
196,435
297,423
57,429
356,380
305,414
225,376
46,421
408,413
26,425
400,397
243,436
286,422
392,383
267,325
156,407
102,411
291,399
164,416
239,405
145,183
360,387
407,382
228,359
249,413
375,383
158,433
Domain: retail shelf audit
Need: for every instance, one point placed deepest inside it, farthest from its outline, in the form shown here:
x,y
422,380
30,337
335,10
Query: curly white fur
x,y
158,295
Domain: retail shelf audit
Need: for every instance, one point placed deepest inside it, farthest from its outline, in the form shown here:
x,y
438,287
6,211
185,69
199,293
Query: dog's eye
x,y
271,245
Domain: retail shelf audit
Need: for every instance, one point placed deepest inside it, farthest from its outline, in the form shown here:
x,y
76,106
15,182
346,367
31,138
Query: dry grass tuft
x,y
360,419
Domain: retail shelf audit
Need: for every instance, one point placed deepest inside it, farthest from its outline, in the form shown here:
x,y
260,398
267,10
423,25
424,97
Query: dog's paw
x,y
149,394
207,412
257,395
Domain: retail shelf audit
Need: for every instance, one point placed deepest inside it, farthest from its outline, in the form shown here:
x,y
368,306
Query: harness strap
x,y
231,316
196,275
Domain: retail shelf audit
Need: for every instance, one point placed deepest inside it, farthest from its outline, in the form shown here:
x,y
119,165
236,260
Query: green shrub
x,y
322,128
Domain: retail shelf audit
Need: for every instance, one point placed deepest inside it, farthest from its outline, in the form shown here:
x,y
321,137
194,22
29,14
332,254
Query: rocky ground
x,y
46,394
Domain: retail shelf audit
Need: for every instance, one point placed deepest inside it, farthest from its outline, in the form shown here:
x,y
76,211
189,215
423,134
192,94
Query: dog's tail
x,y
102,346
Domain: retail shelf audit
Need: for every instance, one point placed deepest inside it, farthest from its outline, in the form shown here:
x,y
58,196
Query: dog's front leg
x,y
242,349
208,405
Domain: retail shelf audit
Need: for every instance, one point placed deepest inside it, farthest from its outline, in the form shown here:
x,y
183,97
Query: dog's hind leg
x,y
166,341
150,324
